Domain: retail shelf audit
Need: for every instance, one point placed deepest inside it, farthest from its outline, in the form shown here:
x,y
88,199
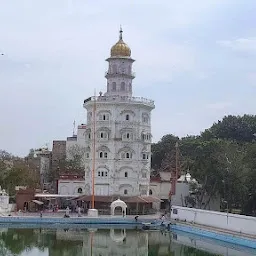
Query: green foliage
x,y
222,159
161,148
237,128
15,172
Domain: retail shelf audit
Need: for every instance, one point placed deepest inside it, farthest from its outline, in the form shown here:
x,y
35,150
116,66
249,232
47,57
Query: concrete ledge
x,y
80,220
234,238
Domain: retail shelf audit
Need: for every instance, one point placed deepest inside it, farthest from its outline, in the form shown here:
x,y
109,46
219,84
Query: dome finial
x,y
120,49
120,33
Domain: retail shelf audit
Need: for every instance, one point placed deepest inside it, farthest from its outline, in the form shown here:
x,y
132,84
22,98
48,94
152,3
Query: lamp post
x,y
226,186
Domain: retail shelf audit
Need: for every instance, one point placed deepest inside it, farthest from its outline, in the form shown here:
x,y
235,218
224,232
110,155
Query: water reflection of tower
x,y
116,242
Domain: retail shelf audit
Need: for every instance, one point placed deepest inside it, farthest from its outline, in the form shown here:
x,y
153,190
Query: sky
x,y
196,59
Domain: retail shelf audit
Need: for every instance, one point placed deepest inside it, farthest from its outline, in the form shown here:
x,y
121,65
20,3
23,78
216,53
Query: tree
x,y
161,149
75,157
249,204
14,171
236,128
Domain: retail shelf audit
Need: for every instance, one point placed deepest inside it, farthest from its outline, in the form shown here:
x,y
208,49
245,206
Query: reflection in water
x,y
104,242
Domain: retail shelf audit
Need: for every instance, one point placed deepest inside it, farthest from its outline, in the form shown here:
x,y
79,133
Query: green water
x,y
73,242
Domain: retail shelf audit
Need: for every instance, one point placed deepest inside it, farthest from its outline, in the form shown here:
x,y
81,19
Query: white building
x,y
122,134
76,143
69,184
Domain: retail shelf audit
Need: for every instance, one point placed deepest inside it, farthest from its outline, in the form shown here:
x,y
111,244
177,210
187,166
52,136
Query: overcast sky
x,y
196,59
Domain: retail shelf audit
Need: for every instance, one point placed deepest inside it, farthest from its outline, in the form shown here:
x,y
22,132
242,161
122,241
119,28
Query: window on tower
x,y
122,86
126,174
145,156
146,137
125,192
103,117
126,155
102,174
127,117
114,69
103,154
127,136
114,86
103,135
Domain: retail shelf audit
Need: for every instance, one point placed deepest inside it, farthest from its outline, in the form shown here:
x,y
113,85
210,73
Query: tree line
x,y
222,159
16,171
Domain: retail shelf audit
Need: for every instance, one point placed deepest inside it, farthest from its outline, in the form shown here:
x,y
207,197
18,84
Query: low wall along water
x,y
226,221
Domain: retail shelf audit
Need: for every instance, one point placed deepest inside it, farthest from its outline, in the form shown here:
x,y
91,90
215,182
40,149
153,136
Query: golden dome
x,y
120,49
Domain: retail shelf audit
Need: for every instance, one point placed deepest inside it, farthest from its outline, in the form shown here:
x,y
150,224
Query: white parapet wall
x,y
227,221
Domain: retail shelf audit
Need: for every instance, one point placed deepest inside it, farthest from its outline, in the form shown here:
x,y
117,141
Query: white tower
x,y
123,132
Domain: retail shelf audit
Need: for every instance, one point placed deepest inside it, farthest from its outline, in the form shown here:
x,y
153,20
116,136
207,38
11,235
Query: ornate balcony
x,y
119,99
108,74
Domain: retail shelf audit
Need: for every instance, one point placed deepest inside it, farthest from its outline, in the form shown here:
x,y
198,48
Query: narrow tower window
x,y
127,117
125,192
122,86
114,86
126,174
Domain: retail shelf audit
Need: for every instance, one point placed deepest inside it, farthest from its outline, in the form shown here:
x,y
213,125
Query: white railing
x,y
133,74
121,99
227,221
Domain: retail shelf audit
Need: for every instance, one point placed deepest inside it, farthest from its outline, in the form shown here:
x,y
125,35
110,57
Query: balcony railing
x,y
133,74
118,98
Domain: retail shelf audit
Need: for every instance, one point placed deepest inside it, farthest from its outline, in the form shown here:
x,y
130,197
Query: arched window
x,y
126,174
127,117
102,174
103,135
127,136
104,117
128,155
144,175
122,86
145,156
125,192
150,192
79,190
103,154
114,86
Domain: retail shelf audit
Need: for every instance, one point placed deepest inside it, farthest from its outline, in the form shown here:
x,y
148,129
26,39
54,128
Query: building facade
x,y
75,145
70,184
121,126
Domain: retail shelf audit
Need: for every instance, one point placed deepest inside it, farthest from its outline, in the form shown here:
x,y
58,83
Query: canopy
x,y
143,199
118,203
37,202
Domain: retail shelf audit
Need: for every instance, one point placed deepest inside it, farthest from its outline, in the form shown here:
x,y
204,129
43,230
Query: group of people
x,y
67,212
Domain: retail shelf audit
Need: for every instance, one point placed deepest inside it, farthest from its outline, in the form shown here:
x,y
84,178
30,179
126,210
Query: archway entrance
x,y
118,204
